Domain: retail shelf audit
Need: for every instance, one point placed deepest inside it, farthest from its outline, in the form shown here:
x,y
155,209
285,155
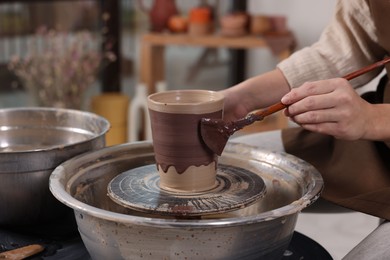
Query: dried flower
x,y
60,67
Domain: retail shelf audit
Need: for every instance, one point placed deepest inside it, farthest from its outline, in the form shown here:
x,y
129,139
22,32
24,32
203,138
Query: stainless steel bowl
x,y
33,141
261,231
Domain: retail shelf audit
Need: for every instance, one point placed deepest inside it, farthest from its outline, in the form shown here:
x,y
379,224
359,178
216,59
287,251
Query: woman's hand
x,y
330,107
254,93
233,108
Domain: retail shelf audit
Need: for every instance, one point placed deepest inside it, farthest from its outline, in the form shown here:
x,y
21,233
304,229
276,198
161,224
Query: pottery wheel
x,y
139,189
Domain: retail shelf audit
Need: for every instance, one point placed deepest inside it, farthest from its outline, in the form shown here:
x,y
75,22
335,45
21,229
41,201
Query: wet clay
x,y
177,141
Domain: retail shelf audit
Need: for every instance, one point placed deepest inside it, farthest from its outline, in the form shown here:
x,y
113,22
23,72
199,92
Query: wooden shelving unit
x,y
153,48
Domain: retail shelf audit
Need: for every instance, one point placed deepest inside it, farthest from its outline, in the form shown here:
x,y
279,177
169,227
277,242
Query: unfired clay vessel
x,y
184,162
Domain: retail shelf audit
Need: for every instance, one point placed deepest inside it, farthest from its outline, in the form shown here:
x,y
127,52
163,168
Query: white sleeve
x,y
348,43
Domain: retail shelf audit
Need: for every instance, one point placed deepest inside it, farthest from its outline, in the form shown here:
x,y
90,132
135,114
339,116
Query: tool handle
x,y
366,69
270,110
22,252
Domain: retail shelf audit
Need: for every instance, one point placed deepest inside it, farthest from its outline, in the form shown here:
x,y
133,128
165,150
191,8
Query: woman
x,y
344,136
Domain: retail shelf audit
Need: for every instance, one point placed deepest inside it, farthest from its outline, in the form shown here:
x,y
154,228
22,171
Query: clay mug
x,y
184,162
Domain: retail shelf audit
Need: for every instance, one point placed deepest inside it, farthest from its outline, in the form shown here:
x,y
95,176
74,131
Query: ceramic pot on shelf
x,y
159,13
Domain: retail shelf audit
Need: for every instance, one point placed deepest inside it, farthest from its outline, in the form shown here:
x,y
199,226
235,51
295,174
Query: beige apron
x,y
356,173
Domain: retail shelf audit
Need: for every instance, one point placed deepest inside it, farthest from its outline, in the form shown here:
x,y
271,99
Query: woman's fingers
x,y
329,106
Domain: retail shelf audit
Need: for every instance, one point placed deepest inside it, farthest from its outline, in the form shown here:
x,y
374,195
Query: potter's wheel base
x,y
139,190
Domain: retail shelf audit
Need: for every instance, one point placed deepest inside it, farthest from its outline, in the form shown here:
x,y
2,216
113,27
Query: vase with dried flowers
x,y
59,67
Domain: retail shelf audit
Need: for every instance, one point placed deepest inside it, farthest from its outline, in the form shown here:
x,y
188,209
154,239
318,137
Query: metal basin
x,y
33,141
260,231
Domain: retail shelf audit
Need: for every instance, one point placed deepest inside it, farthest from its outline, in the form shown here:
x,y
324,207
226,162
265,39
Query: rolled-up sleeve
x,y
348,43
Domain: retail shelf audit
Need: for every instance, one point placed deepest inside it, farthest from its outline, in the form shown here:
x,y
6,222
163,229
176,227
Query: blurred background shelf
x,y
152,67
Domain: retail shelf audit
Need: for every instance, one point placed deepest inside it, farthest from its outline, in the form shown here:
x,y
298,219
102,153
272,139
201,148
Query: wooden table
x,y
152,64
